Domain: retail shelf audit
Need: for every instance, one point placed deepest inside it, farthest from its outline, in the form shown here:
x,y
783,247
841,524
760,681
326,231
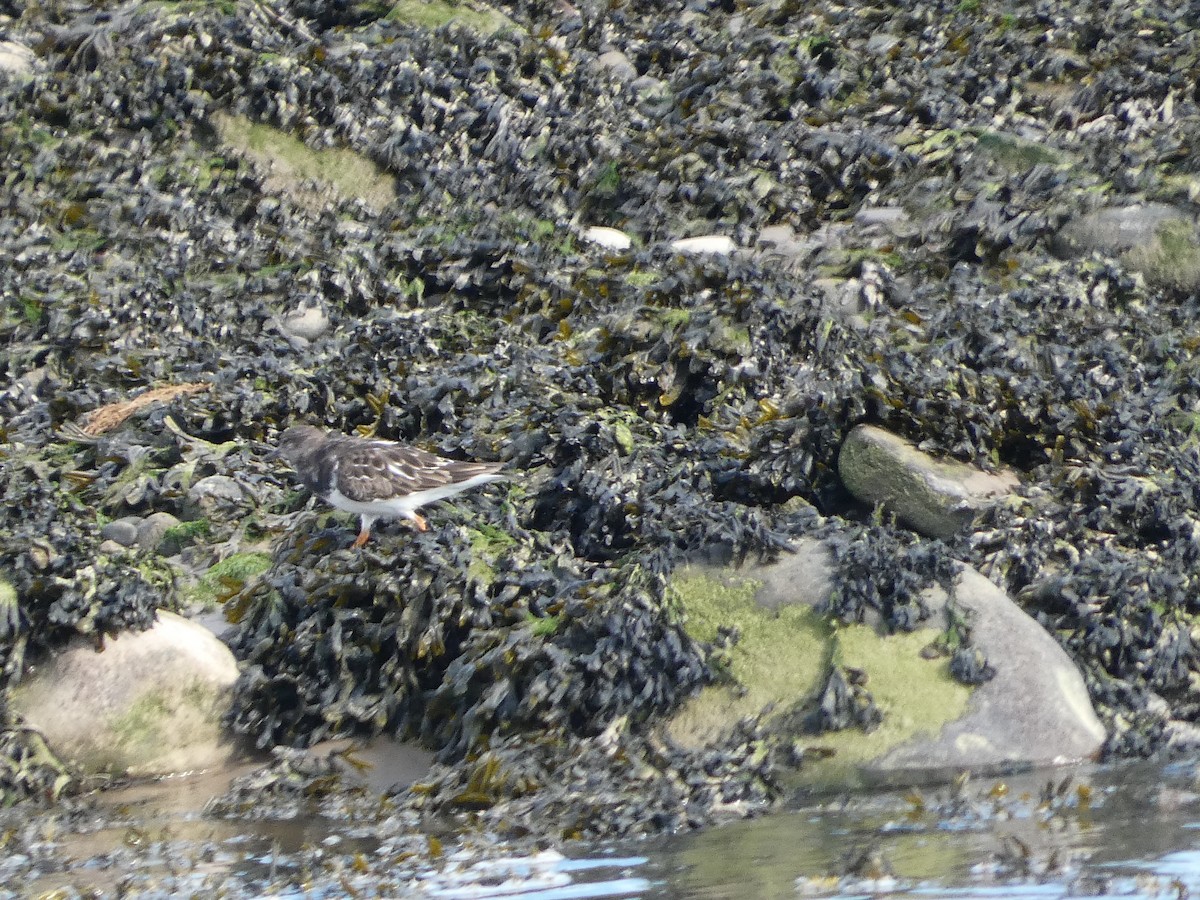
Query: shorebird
x,y
375,478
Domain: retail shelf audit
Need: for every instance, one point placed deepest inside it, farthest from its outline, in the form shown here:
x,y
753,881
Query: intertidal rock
x,y
150,704
1160,241
907,691
936,497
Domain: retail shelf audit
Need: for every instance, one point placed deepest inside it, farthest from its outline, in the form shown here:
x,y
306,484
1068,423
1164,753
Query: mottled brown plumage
x,y
376,478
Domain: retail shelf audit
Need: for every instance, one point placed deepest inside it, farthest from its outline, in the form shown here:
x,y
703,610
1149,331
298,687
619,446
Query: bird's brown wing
x,y
381,470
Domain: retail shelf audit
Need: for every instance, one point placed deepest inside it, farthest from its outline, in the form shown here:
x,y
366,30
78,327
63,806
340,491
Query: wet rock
x,y
1160,241
882,43
308,322
1033,709
936,497
149,704
1114,230
216,494
876,223
154,528
123,530
782,239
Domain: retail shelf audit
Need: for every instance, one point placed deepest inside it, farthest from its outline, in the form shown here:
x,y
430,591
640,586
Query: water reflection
x,y
1124,830
1128,830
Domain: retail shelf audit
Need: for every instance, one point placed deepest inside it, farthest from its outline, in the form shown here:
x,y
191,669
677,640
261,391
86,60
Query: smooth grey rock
x,y
892,219
215,492
110,548
609,238
881,43
935,497
307,322
124,530
1160,241
153,528
717,244
1036,710
784,241
15,59
149,704
1114,230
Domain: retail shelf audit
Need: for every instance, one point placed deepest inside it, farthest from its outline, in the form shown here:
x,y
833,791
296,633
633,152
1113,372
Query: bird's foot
x,y
420,522
361,540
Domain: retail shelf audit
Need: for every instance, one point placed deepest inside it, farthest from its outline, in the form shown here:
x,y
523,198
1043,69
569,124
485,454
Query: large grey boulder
x,y
935,497
1034,711
149,703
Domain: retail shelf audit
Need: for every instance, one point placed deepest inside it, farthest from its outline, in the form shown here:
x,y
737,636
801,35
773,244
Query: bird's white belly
x,y
406,506
394,508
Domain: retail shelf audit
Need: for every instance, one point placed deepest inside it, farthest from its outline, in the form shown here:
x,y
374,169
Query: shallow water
x,y
1129,830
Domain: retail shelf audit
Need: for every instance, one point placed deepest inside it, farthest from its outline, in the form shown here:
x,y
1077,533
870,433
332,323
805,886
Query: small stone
x,y
935,497
112,548
15,59
610,238
881,43
618,65
717,244
124,530
153,528
307,323
884,217
216,492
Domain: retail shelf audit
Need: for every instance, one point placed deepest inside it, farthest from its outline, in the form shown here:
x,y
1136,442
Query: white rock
x,y
15,59
708,243
149,704
308,322
618,64
611,238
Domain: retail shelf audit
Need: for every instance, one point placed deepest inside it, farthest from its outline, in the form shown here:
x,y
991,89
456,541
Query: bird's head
x,y
299,441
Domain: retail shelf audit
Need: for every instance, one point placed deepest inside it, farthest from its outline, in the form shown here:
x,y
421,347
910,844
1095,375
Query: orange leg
x,y
421,524
362,538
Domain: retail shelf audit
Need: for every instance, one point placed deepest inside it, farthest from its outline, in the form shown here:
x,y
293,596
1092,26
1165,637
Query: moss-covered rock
x,y
779,643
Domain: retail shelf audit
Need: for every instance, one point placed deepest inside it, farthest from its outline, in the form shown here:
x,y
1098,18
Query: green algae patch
x,y
777,661
159,722
229,576
778,666
1017,154
917,697
436,13
288,162
487,543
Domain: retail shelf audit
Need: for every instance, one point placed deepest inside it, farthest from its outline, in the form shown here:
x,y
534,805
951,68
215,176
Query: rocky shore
x,y
664,262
